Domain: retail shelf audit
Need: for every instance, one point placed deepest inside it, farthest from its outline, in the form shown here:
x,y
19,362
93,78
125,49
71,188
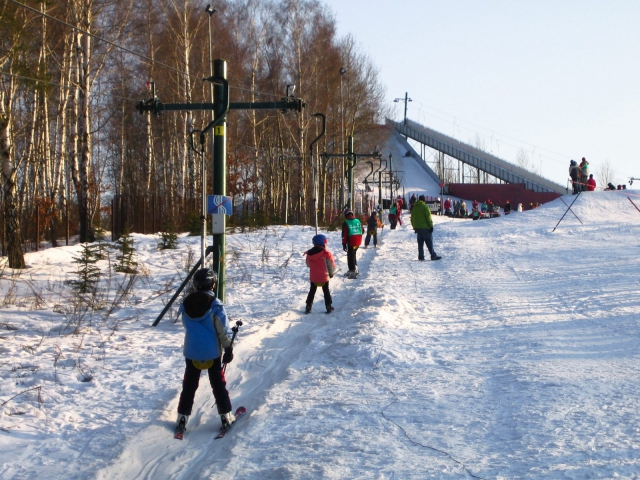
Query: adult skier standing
x,y
575,173
352,231
207,334
422,224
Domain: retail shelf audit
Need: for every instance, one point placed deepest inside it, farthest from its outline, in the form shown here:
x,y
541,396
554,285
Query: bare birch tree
x,y
9,171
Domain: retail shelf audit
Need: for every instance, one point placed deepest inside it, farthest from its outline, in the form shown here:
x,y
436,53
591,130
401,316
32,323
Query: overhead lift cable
x,y
150,61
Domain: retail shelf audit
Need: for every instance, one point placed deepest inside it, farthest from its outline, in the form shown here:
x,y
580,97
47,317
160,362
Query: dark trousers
x,y
325,290
424,236
351,257
371,233
393,220
190,384
576,187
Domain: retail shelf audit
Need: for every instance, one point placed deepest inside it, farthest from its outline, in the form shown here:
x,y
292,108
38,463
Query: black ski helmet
x,y
204,279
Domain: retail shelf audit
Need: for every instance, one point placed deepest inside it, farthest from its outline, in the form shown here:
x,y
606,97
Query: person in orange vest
x,y
352,231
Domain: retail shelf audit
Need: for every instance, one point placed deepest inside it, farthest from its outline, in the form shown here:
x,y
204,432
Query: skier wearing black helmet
x,y
207,334
373,223
352,231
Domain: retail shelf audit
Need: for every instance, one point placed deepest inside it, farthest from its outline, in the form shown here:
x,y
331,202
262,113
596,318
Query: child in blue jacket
x,y
207,335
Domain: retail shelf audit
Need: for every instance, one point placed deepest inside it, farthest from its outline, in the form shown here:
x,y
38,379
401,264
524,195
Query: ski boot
x,y
227,420
329,309
307,309
181,427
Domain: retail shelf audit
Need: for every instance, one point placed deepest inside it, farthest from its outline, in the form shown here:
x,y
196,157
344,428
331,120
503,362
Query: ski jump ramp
x,y
474,157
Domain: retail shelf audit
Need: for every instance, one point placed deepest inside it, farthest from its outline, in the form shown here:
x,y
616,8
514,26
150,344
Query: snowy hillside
x,y
515,356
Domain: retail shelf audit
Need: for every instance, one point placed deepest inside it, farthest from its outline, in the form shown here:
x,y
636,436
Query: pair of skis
x,y
240,411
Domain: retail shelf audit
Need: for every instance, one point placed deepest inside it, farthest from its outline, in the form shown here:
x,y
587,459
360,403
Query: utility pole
x,y
314,167
203,219
219,181
405,99
342,71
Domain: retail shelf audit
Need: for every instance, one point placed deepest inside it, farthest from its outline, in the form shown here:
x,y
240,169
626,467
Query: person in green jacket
x,y
423,225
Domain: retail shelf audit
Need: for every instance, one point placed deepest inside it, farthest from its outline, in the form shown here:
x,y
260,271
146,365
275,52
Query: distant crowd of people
x,y
581,179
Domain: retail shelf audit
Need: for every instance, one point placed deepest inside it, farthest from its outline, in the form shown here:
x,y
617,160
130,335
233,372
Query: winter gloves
x,y
344,247
228,355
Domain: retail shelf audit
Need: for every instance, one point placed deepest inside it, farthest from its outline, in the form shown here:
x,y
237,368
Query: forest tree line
x,y
73,147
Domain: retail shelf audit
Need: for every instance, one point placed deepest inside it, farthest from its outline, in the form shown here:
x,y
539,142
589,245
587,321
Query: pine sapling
x,y
168,237
87,273
194,225
125,260
101,247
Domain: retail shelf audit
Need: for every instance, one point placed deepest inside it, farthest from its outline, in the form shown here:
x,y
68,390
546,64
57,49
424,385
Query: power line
x,y
499,135
97,37
69,87
136,54
494,132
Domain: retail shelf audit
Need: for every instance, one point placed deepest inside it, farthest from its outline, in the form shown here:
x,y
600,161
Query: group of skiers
x,y
581,180
457,209
208,341
487,209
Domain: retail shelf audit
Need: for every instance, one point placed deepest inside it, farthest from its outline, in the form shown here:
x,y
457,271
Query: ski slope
x,y
515,356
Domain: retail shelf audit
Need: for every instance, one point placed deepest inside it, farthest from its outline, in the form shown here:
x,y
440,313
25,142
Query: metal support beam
x,y
220,108
219,180
353,160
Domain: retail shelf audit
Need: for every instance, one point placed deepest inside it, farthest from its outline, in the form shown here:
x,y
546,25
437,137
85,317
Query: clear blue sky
x,y
559,79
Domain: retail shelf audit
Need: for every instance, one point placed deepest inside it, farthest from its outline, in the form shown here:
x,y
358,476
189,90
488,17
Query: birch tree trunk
x,y
80,167
12,223
84,127
58,160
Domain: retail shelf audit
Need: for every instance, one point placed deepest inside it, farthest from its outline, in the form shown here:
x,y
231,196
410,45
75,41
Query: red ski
x,y
240,411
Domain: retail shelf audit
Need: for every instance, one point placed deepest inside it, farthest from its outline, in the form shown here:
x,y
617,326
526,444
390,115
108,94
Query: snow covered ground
x,y
515,356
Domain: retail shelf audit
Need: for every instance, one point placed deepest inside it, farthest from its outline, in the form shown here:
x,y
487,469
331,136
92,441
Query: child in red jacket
x,y
322,267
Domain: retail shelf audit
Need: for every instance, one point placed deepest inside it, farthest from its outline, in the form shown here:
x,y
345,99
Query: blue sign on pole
x,y
219,204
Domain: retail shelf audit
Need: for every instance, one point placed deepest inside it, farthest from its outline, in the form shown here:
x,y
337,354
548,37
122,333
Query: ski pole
x,y
235,332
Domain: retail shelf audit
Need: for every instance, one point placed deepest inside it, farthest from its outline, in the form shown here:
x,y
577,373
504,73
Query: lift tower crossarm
x,y
353,160
220,107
